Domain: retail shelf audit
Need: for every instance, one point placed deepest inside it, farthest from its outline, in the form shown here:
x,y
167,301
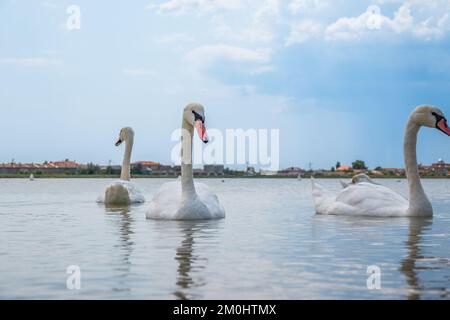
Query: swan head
x,y
125,134
362,177
194,116
431,117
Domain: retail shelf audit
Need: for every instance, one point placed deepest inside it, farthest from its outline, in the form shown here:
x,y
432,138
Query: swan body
x,y
360,199
184,199
370,199
168,203
123,192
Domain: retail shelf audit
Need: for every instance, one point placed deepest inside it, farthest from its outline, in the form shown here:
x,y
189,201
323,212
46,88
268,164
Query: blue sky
x,y
336,89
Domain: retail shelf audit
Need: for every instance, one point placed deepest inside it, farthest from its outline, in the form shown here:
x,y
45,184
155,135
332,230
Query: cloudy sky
x,y
337,84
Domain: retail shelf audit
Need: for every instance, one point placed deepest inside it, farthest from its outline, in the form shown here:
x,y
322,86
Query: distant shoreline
x,y
102,176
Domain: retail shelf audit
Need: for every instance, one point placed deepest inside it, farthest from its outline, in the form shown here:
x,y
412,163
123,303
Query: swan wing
x,y
366,198
323,199
165,202
121,191
210,200
344,184
134,193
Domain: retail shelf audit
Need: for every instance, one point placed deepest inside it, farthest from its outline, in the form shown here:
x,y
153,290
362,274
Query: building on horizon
x,y
394,171
66,166
250,172
291,172
153,168
440,167
214,169
344,168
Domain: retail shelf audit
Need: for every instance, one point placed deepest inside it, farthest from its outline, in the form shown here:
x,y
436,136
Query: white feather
x,y
168,204
121,192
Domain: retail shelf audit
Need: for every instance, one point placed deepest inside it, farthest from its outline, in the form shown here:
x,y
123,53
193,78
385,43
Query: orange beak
x,y
201,130
442,125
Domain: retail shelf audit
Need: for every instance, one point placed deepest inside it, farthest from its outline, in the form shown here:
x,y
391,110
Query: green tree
x,y
338,164
92,168
332,169
137,169
359,165
109,170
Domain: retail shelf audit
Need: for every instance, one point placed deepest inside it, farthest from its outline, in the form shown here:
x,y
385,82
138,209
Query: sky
x,y
338,85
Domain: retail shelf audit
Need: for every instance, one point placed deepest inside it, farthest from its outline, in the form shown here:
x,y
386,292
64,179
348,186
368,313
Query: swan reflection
x,y
191,263
409,265
124,221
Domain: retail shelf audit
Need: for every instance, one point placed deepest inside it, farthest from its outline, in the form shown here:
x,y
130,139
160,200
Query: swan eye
x,y
438,118
198,116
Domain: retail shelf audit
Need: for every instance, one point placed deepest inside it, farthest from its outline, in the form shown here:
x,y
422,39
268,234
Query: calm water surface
x,y
270,246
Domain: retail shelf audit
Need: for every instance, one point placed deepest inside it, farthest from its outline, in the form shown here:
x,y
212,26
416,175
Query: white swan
x,y
123,192
370,199
361,177
184,200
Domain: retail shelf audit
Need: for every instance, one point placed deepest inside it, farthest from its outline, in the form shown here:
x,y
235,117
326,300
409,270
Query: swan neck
x,y
187,175
125,174
417,197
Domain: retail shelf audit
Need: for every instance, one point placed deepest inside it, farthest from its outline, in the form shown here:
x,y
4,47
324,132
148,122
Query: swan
x,y
123,192
361,177
368,199
184,200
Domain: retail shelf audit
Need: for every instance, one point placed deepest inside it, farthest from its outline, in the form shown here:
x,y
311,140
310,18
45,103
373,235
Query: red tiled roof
x,y
56,164
64,164
344,168
147,163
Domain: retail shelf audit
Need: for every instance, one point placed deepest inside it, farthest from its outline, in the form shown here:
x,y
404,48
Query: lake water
x,y
271,245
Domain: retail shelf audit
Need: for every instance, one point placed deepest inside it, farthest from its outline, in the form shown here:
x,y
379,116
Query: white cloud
x,y
429,30
403,22
179,7
348,28
307,6
303,31
259,31
206,55
30,62
257,28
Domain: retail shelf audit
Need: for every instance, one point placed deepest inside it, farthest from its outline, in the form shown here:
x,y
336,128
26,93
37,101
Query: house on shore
x,y
214,169
291,172
440,167
64,167
154,168
394,171
344,169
